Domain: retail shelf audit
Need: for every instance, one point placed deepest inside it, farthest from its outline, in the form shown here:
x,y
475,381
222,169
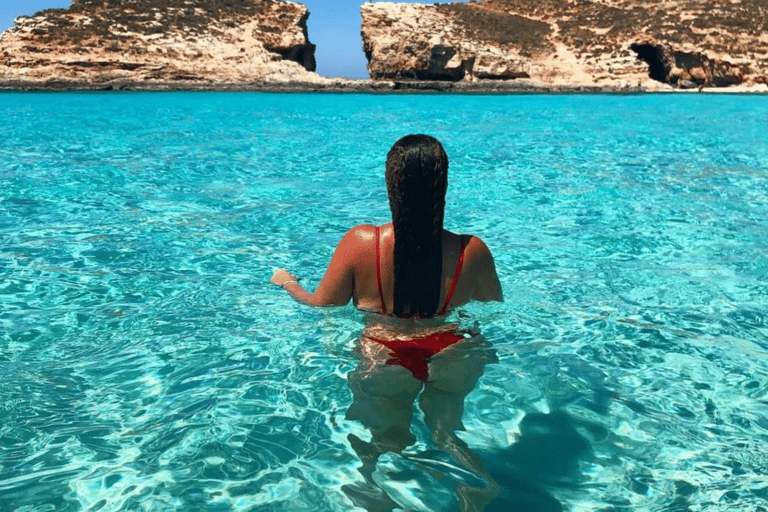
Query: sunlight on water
x,y
147,364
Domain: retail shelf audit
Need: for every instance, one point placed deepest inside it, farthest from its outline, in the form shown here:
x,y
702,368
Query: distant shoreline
x,y
355,86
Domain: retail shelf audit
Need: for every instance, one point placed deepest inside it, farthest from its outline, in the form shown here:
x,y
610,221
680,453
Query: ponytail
x,y
417,179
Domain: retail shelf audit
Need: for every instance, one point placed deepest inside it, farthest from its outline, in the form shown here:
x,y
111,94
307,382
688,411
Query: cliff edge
x,y
161,40
604,43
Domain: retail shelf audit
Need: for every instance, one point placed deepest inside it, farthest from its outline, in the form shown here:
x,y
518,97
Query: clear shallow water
x,y
147,364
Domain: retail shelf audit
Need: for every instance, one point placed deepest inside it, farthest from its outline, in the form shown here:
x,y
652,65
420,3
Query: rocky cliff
x,y
609,43
161,40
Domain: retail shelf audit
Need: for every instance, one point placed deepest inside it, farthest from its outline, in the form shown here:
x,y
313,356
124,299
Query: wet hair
x,y
417,178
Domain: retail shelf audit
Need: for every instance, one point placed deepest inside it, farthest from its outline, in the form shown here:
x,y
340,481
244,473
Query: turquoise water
x,y
147,364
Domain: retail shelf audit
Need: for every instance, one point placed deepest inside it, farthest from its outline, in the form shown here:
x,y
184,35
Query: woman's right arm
x,y
338,283
488,286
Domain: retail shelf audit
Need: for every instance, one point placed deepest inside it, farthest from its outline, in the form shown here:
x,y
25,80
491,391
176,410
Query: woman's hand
x,y
337,284
282,276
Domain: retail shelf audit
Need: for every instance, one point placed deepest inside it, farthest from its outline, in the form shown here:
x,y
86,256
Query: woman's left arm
x,y
338,282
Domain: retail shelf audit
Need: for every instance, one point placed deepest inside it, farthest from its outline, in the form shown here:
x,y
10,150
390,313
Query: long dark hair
x,y
417,178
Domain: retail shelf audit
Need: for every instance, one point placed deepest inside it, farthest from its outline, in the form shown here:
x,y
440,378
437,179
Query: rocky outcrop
x,y
161,40
606,43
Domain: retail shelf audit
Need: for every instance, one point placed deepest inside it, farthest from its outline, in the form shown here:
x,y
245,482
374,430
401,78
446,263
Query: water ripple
x,y
147,364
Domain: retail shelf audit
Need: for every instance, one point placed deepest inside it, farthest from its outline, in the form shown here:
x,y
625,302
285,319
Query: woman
x,y
409,275
412,268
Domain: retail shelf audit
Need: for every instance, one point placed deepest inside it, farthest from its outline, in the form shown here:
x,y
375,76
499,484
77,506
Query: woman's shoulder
x,y
365,232
477,256
476,245
473,244
480,268
359,240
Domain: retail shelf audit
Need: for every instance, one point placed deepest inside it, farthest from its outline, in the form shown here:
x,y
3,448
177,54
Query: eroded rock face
x,y
205,40
679,43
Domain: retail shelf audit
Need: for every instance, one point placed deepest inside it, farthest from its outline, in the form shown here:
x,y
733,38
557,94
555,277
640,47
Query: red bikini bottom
x,y
414,354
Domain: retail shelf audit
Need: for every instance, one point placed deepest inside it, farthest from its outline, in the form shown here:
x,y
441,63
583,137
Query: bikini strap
x,y
378,273
464,243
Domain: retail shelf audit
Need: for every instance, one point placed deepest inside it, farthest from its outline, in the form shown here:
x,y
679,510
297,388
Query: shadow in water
x,y
546,454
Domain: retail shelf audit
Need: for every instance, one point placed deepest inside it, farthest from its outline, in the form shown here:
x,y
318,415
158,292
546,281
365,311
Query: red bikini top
x,y
464,243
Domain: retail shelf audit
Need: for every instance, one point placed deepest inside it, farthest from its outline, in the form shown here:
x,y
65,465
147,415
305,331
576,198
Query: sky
x,y
334,27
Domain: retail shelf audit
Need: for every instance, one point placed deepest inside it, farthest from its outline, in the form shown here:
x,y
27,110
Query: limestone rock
x,y
165,40
608,43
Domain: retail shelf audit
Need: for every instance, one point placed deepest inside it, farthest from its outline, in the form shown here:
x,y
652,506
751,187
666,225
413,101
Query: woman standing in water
x,y
411,268
408,275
